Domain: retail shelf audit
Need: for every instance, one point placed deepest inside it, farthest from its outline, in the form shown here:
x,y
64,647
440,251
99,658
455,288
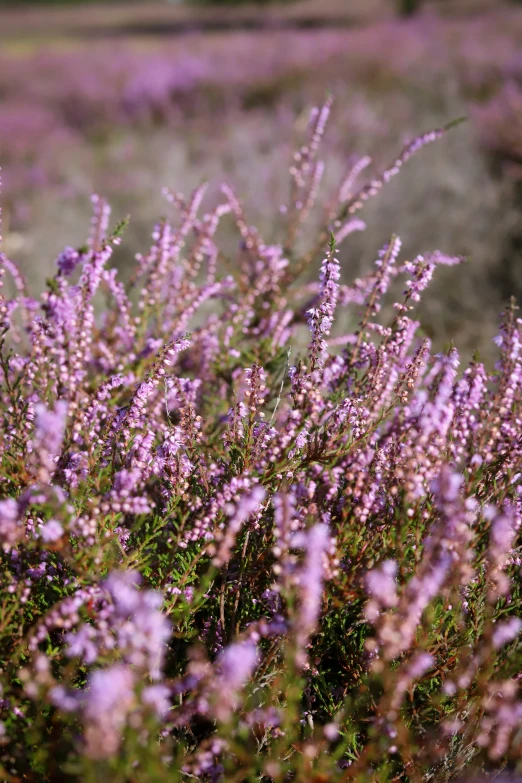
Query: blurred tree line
x,y
404,7
19,3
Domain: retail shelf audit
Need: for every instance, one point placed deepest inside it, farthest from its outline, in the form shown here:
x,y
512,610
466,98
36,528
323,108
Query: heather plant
x,y
238,544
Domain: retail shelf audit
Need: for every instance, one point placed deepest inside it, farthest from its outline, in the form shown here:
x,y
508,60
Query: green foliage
x,y
231,3
409,7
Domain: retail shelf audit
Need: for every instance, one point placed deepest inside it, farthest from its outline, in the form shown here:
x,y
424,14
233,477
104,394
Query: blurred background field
x,y
123,99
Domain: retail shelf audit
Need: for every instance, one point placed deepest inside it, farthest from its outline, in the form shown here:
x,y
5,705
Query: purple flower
x,y
50,532
506,631
142,631
320,319
421,663
66,700
238,514
316,541
447,486
236,664
123,587
381,583
125,481
81,644
68,260
158,698
109,698
50,425
49,432
11,529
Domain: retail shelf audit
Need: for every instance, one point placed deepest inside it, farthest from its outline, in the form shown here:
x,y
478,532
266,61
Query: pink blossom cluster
x,y
238,543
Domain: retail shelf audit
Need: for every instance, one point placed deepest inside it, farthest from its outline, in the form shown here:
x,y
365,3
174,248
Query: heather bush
x,y
238,544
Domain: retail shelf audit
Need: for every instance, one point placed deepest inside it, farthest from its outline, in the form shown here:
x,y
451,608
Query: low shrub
x,y
238,545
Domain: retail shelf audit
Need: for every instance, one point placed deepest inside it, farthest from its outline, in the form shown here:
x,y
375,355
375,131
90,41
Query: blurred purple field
x,y
93,102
